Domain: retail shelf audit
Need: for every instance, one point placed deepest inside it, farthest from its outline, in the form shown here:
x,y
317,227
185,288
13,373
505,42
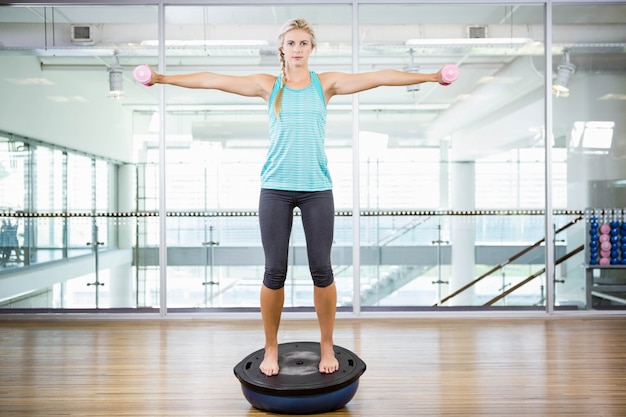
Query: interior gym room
x,y
470,157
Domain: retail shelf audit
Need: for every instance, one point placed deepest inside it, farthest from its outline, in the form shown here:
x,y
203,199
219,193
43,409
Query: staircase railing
x,y
507,262
533,276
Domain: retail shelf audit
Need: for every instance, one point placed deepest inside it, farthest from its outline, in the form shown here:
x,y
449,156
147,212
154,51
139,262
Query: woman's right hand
x,y
144,75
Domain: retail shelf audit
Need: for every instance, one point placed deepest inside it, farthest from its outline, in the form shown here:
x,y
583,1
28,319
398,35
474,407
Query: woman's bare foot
x,y
328,362
269,366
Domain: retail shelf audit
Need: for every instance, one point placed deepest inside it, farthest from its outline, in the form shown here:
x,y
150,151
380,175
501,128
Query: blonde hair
x,y
290,25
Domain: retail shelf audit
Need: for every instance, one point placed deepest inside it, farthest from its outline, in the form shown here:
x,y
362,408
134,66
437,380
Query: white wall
x,y
50,106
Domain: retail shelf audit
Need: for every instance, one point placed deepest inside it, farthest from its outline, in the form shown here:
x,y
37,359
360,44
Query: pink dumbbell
x,y
143,74
449,73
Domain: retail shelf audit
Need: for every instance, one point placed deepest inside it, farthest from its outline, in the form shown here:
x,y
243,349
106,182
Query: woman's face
x,y
297,47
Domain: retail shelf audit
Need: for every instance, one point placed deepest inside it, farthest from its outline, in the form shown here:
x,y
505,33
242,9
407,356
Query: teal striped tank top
x,y
296,158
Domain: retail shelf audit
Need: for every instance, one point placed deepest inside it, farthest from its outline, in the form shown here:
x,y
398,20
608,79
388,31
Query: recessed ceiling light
x,y
29,81
612,96
68,99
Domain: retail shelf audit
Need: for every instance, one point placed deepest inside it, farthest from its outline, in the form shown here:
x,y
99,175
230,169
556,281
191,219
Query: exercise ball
x,y
300,388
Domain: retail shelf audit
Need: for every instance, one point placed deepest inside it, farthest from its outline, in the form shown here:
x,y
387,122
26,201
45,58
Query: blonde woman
x,y
295,173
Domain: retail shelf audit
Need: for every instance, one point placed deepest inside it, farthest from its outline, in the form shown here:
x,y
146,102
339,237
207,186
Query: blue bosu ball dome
x,y
300,388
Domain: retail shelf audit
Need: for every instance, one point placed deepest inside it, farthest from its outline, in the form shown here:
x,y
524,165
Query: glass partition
x,y
217,144
449,185
453,149
66,140
589,93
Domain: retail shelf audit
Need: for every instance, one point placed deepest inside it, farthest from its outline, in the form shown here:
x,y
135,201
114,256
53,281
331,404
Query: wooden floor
x,y
415,367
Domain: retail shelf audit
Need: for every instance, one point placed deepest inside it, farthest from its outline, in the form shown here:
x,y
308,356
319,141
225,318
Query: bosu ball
x,y
300,388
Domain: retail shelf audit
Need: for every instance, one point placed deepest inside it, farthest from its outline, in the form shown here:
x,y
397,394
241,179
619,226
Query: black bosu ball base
x,y
300,388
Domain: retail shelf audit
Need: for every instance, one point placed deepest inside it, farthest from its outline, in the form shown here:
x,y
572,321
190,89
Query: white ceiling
x,y
497,82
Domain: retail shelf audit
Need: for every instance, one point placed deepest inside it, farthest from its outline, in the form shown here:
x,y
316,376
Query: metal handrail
x,y
533,276
505,263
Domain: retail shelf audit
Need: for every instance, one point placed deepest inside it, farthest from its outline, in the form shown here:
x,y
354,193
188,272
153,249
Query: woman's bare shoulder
x,y
266,80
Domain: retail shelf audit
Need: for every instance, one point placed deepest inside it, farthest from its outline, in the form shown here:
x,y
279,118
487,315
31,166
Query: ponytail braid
x,y
283,70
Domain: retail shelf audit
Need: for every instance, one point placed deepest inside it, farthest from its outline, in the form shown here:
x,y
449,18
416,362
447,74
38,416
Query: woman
x,y
295,173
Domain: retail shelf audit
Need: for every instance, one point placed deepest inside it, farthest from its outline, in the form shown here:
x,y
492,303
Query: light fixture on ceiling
x,y
116,78
412,68
565,70
207,42
470,42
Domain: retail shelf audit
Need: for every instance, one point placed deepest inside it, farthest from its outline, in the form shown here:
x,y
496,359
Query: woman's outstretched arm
x,y
336,83
255,85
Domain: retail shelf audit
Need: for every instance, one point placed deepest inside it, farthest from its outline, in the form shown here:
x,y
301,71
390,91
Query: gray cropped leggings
x,y
276,218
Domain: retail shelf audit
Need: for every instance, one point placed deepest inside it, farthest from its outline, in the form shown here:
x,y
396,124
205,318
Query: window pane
x,y
217,145
590,72
430,150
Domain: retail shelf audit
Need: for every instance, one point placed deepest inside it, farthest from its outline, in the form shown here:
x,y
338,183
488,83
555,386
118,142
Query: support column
x,y
121,292
463,232
444,174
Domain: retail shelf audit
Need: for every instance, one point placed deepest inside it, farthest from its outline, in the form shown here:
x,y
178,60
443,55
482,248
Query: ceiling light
x,y
470,42
613,96
564,72
29,81
412,68
209,42
116,78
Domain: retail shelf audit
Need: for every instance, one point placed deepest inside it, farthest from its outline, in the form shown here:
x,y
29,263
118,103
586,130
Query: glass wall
x,y
66,141
217,143
459,153
50,197
441,189
589,106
